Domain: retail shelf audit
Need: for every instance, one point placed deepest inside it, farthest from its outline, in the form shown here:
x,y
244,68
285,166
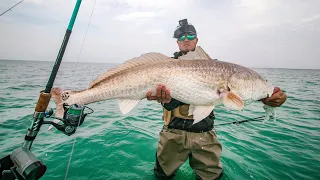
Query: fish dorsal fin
x,y
197,54
131,63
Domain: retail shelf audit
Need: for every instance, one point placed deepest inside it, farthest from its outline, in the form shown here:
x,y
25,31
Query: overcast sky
x,y
253,33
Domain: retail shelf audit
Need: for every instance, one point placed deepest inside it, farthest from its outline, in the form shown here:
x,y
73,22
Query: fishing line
x,y
74,139
239,122
11,8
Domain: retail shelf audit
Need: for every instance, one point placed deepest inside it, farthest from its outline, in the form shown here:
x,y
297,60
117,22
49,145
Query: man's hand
x,y
277,99
162,94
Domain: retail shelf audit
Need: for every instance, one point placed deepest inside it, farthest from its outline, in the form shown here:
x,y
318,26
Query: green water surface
x,y
110,145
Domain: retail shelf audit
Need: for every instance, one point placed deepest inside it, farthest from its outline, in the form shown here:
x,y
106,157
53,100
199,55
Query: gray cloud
x,y
275,34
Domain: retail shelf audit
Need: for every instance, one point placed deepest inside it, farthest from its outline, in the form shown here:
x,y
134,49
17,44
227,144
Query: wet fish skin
x,y
195,79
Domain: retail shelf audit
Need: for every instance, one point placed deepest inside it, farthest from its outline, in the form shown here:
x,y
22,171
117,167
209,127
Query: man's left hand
x,y
277,99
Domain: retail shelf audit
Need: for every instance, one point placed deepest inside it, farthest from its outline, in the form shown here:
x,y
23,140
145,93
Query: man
x,y
179,139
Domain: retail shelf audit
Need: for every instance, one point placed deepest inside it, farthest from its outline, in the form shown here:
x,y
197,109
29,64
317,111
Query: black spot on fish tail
x,y
65,96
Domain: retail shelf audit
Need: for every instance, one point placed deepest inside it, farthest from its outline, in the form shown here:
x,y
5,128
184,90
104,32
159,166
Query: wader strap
x,y
166,116
180,112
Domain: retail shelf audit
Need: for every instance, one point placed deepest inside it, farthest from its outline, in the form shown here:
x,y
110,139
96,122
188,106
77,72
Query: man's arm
x,y
172,104
163,96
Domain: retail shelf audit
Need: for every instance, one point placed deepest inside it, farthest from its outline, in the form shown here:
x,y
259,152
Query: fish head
x,y
261,88
249,85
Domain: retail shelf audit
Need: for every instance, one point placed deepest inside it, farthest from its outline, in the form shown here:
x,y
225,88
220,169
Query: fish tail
x,y
56,95
269,111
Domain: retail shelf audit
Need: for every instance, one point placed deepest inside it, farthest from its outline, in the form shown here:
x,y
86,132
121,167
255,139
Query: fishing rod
x,y
11,8
22,164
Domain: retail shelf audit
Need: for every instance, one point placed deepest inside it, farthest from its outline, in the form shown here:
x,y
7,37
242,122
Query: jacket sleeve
x,y
172,104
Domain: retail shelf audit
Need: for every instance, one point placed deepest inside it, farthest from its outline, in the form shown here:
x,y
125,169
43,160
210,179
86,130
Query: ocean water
x,y
110,145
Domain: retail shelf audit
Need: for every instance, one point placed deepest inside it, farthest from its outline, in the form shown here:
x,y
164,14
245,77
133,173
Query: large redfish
x,y
195,79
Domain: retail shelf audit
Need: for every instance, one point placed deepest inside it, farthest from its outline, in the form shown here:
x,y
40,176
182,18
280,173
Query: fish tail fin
x,y
56,95
269,111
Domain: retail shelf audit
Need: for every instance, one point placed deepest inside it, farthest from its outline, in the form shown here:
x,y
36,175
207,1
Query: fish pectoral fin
x,y
201,112
232,100
126,105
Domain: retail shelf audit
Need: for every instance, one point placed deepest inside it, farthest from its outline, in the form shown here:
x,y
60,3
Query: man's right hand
x,y
162,94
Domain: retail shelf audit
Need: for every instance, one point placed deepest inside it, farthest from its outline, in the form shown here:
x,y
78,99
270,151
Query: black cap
x,y
184,28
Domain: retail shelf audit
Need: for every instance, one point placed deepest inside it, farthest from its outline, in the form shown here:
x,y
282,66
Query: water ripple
x,y
110,145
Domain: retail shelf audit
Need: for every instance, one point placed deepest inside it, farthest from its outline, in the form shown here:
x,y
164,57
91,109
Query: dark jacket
x,y
178,123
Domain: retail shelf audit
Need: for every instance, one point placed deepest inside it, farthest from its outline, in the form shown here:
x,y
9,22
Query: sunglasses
x,y
190,37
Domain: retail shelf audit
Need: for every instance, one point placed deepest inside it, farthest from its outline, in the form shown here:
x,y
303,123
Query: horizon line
x,y
121,63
